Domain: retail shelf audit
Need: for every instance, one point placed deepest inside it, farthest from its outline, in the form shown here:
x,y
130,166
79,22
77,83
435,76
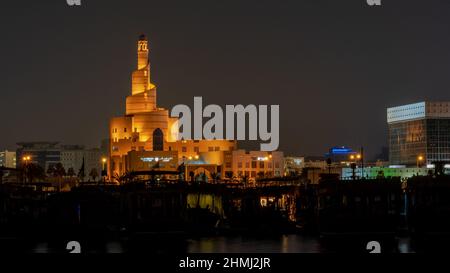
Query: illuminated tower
x,y
146,127
142,52
143,92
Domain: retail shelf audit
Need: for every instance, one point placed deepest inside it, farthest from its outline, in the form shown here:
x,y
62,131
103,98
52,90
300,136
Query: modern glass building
x,y
44,154
419,133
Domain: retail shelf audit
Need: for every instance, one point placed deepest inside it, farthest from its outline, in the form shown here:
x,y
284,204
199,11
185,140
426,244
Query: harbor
x,y
184,216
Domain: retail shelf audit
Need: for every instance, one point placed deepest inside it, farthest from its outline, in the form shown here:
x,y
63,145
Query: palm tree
x,y
93,173
59,172
70,172
123,178
34,171
215,176
51,170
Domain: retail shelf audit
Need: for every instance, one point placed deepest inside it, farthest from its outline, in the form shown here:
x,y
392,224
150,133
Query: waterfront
x,y
287,243
213,218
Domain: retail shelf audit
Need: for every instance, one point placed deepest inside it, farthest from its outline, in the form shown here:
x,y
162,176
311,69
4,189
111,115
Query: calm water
x,y
219,244
283,244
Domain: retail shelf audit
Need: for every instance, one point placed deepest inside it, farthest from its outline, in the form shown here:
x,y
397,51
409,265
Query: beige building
x,y
241,164
146,127
72,157
293,165
8,159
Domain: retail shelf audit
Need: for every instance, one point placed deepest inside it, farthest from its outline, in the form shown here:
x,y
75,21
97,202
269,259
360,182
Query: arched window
x,y
158,140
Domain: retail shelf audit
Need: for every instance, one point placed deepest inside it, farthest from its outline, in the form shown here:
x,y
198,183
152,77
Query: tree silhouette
x,y
51,170
59,170
121,179
70,172
93,173
33,171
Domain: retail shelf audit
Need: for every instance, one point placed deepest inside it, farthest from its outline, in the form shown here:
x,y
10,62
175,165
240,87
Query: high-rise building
x,y
146,127
419,133
44,153
8,159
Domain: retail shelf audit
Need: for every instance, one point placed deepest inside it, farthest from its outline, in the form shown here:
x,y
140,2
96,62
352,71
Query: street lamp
x,y
419,160
104,173
358,157
26,160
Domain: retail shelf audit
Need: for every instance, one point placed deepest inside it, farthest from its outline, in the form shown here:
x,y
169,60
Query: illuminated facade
x,y
403,172
8,159
241,164
293,165
74,156
147,127
419,133
340,154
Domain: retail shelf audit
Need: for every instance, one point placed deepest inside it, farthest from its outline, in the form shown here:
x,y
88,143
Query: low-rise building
x,y
8,159
293,165
396,171
73,156
239,164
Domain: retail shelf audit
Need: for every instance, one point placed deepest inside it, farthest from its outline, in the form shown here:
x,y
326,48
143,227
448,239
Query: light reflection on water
x,y
283,244
292,243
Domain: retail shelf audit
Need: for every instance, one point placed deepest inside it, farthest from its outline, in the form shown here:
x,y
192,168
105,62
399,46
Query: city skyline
x,y
325,67
224,135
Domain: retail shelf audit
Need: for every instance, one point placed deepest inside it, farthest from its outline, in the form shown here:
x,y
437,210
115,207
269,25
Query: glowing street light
x,y
419,160
26,159
104,172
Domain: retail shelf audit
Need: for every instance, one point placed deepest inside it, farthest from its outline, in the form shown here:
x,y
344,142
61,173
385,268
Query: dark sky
x,y
332,66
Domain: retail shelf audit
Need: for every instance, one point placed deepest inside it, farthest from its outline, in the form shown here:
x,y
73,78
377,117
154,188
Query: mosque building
x,y
142,139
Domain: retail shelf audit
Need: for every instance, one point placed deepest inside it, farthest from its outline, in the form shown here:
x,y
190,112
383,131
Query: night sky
x,y
332,66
